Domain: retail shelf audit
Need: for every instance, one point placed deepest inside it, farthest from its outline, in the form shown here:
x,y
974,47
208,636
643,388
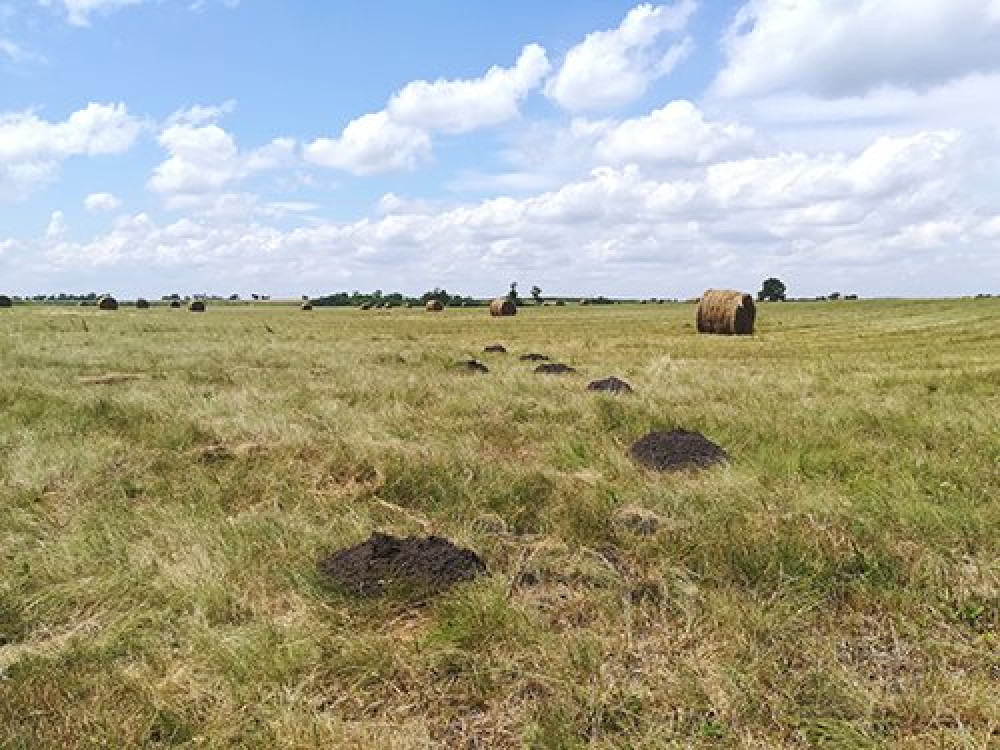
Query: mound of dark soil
x,y
418,565
495,349
535,358
554,368
676,450
611,385
473,365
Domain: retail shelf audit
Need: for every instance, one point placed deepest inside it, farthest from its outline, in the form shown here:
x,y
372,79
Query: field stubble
x,y
170,482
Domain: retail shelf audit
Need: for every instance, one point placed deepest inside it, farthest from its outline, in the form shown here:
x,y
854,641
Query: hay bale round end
x,y
142,304
503,307
6,301
197,305
434,305
107,302
726,311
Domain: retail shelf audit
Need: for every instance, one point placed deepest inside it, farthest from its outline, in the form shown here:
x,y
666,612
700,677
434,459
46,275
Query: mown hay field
x,y
169,483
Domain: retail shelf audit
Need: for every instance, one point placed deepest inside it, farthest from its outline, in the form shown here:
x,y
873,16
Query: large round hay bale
x,y
366,306
175,303
726,311
6,301
503,307
306,307
142,304
107,302
197,305
434,305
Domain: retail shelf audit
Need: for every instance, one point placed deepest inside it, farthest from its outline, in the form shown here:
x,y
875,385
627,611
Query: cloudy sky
x,y
593,147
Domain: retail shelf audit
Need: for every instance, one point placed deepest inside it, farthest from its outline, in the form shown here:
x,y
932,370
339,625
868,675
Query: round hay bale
x,y
306,307
142,304
585,302
6,301
197,305
726,311
107,302
503,307
366,306
434,305
410,304
175,304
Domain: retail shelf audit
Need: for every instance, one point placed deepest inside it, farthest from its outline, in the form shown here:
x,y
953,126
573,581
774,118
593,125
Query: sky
x,y
292,147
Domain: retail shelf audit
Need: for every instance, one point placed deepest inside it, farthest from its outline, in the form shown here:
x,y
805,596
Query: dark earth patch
x,y
472,365
495,349
535,358
611,385
554,368
676,450
413,565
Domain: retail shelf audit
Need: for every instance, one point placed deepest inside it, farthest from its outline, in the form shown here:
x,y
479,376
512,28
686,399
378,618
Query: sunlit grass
x,y
837,585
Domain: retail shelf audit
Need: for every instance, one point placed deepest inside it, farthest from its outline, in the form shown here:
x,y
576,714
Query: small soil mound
x,y
534,358
472,365
610,385
676,450
554,368
495,349
414,564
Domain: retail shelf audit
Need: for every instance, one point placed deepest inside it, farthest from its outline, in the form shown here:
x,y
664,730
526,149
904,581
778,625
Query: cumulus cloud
x,y
464,105
674,134
898,201
399,137
56,227
852,47
371,144
31,149
611,68
205,159
101,202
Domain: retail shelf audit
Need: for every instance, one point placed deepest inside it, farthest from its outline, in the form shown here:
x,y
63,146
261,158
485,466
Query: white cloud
x,y
200,114
56,227
611,68
101,202
31,149
896,208
675,134
205,159
464,105
852,47
399,137
371,144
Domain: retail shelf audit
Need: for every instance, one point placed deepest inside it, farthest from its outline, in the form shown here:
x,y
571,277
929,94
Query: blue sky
x,y
151,146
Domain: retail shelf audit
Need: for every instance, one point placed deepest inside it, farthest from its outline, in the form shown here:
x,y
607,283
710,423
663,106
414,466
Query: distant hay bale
x,y
726,311
175,303
6,301
434,305
410,304
305,307
107,302
503,307
197,305
142,304
366,306
585,302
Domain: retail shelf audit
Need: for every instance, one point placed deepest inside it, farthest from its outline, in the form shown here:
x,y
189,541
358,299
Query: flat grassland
x,y
836,585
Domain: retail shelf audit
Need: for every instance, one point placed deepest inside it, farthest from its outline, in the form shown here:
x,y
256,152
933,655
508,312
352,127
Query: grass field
x,y
837,585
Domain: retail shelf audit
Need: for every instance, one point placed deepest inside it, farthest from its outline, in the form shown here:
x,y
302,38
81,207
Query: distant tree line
x,y
394,299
